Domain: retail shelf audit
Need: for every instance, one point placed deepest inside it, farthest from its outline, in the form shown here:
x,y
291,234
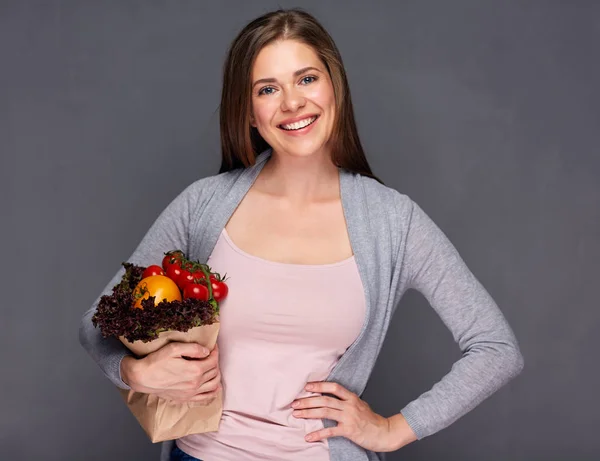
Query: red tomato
x,y
152,270
198,275
195,291
172,258
219,289
184,278
174,271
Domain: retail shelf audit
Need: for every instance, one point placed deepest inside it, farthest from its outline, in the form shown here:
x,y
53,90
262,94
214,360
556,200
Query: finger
x,y
210,374
319,413
213,356
204,365
207,396
204,378
336,389
317,402
209,386
324,434
214,353
201,373
187,350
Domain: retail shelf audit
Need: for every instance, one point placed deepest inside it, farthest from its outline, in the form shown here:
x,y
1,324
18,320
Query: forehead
x,y
282,58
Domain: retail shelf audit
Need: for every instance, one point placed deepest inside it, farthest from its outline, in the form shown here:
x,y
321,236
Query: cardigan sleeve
x,y
168,232
490,353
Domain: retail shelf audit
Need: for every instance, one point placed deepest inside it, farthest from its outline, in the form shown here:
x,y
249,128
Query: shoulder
x,y
193,198
395,205
208,183
204,188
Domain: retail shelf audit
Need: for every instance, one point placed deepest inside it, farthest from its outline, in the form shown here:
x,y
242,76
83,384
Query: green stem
x,y
209,284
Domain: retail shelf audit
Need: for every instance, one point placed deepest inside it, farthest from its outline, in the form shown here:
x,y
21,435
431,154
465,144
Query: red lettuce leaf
x,y
116,317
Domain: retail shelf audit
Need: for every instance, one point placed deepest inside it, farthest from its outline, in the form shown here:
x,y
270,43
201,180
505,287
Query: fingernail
x,y
309,387
309,438
206,351
295,404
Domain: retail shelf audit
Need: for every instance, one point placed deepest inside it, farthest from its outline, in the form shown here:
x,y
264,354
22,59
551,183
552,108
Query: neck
x,y
300,180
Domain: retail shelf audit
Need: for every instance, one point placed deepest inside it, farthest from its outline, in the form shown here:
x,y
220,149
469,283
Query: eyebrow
x,y
296,74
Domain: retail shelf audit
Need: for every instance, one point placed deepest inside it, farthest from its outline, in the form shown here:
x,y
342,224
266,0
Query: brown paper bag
x,y
163,419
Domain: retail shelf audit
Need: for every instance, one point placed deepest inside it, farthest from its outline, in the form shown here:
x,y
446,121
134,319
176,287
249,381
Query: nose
x,y
292,100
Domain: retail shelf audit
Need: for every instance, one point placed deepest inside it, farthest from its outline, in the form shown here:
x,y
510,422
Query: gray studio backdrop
x,y
484,112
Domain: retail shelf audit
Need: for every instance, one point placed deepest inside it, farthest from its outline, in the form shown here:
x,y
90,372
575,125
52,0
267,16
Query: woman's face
x,y
293,103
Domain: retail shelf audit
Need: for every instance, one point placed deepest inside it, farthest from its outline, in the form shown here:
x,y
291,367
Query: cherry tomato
x,y
184,278
195,291
174,271
152,270
172,258
198,275
219,289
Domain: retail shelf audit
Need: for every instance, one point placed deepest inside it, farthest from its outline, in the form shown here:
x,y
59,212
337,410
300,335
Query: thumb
x,y
188,350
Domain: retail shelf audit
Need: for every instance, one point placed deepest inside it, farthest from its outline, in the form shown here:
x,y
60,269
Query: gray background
x,y
484,112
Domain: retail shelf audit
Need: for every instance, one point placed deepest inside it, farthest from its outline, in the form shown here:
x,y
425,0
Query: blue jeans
x,y
178,455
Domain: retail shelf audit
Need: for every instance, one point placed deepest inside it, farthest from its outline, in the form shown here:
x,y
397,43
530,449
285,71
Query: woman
x,y
319,253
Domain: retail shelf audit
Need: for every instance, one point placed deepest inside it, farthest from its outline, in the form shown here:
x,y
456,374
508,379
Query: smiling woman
x,y
295,73
318,253
296,101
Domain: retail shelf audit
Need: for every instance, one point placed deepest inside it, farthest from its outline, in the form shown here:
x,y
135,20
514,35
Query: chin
x,y
303,153
305,149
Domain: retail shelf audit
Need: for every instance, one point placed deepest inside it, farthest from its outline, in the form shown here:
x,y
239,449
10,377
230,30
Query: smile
x,y
300,124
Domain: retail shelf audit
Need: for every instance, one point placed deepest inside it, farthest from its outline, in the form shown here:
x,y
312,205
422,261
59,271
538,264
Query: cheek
x,y
263,111
323,97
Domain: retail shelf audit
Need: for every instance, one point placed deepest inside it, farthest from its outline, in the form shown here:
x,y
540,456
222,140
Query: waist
x,y
254,439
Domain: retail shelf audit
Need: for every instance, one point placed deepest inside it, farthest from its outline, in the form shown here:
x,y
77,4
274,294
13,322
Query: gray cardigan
x,y
397,247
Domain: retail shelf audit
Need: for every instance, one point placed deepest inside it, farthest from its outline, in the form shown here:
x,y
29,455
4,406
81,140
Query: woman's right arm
x,y
158,371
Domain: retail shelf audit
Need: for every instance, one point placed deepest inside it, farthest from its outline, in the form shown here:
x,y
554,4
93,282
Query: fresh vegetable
x,y
174,272
219,288
195,291
160,287
172,258
198,274
115,317
152,270
182,295
184,278
193,272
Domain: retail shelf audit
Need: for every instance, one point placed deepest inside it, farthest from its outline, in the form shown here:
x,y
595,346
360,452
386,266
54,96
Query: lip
x,y
301,131
296,119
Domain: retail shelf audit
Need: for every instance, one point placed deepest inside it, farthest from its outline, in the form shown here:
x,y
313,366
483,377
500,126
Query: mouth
x,y
299,125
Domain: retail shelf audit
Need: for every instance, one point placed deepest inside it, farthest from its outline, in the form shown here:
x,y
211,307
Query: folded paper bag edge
x,y
206,335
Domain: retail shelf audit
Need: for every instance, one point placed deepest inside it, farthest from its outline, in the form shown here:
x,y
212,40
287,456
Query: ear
x,y
252,121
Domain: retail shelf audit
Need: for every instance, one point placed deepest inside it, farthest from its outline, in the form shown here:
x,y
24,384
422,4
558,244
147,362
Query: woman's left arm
x,y
490,352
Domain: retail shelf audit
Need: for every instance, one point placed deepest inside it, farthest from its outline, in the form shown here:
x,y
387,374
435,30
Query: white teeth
x,y
300,124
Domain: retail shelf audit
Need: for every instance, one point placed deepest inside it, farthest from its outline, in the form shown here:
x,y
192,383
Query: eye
x,y
266,90
308,79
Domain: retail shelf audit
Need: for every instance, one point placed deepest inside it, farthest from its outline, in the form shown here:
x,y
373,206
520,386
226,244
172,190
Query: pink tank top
x,y
282,325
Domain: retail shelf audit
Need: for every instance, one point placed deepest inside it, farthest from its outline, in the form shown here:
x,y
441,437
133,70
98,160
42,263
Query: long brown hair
x,y
241,143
